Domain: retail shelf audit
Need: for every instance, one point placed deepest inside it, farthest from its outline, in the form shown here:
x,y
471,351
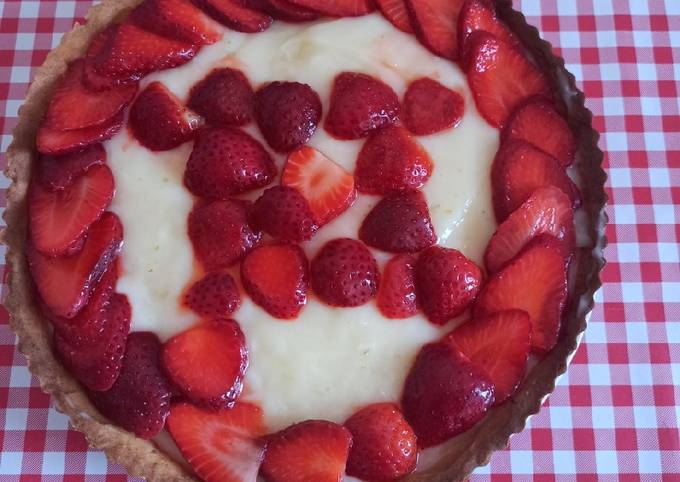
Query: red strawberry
x,y
284,213
276,277
444,394
224,97
392,160
160,121
220,233
226,161
287,114
208,362
429,107
289,12
175,19
548,210
498,345
538,123
435,23
383,444
139,401
500,77
337,8
314,450
480,15
535,281
232,14
345,273
220,446
447,283
399,223
65,284
74,106
395,11
59,219
327,187
359,104
213,296
518,170
397,294
54,142
58,172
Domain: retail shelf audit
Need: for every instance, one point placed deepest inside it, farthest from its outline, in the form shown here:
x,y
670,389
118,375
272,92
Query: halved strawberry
x,y
395,11
58,172
534,281
397,293
160,121
234,15
435,23
392,160
429,107
548,210
221,446
208,362
328,188
480,15
497,344
501,77
314,450
223,97
289,12
213,296
58,219
538,123
55,142
175,19
284,213
337,8
276,276
65,283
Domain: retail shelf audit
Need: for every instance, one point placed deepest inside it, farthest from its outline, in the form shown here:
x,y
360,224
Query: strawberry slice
x,y
284,213
399,223
160,121
74,106
480,15
276,276
139,401
395,11
208,363
177,20
548,210
289,12
213,296
327,187
65,283
58,219
55,142
383,444
58,172
501,77
499,345
313,450
337,8
392,160
429,107
435,23
220,446
224,97
538,123
397,293
535,281
232,14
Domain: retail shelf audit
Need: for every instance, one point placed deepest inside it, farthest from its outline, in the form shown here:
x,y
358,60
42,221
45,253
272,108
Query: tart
x,y
297,240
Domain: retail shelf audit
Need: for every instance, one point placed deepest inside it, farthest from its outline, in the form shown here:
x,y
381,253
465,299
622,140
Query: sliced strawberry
x,y
220,446
498,345
429,107
287,114
232,14
548,210
383,443
359,104
397,294
160,121
337,8
480,15
392,160
65,283
220,233
139,401
54,142
227,161
284,213
58,219
435,23
447,283
538,123
444,394
289,12
395,11
98,48
501,77
535,281
276,276
74,106
176,19
58,172
208,362
314,450
518,170
345,273
213,296
224,97
399,223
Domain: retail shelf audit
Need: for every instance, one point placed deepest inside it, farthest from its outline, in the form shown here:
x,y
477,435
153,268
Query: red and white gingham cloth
x,y
614,416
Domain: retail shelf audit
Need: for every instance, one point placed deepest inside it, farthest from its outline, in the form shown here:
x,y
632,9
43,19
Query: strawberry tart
x,y
301,240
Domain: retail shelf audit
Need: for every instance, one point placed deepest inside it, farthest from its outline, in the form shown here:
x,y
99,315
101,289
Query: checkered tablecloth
x,y
614,416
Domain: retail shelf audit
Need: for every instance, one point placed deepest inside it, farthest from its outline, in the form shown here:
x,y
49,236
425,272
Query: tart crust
x,y
143,458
